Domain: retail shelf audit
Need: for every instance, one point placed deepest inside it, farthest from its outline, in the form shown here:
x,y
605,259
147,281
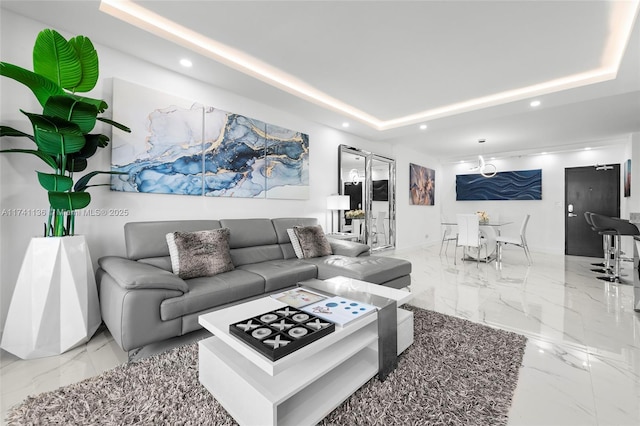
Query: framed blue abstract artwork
x,y
515,185
177,146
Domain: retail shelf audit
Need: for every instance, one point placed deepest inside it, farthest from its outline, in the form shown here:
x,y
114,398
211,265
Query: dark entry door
x,y
589,189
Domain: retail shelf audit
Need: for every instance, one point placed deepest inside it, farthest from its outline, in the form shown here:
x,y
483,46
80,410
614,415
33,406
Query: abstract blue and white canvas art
x,y
177,146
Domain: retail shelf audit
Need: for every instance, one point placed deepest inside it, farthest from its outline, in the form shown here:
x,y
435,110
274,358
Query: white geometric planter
x,y
55,302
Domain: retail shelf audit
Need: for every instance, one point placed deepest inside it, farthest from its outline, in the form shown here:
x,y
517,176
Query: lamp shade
x,y
338,202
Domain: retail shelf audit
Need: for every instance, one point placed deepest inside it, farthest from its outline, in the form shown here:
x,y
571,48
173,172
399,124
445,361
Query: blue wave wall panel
x,y
516,185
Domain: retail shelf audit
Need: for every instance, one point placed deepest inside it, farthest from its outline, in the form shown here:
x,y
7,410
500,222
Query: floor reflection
x,y
581,365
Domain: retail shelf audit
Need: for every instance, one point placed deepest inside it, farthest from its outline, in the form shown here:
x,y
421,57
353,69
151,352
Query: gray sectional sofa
x,y
143,301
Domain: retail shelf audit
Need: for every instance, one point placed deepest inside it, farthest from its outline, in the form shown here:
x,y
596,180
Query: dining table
x,y
488,230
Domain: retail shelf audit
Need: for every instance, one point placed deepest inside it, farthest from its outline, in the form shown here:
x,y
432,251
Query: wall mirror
x,y
369,180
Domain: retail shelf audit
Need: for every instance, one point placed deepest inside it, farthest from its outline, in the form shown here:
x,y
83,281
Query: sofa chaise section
x,y
374,269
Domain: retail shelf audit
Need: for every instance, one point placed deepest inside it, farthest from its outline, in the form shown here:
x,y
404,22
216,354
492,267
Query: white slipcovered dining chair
x,y
469,236
520,241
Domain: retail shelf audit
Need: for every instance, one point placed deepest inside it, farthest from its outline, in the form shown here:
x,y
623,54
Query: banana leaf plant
x,y
62,132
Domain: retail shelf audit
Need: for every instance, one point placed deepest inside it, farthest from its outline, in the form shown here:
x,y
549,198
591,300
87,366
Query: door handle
x,y
572,215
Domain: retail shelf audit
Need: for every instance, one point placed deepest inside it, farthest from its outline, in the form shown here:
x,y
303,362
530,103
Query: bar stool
x,y
620,227
607,245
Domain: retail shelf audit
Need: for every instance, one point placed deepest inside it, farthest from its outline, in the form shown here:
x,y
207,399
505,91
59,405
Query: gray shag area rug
x,y
455,373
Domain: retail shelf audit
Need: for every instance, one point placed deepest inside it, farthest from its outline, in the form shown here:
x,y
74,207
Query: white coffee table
x,y
300,388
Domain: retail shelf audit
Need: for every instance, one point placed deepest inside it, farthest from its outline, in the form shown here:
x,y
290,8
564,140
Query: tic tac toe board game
x,y
280,332
339,310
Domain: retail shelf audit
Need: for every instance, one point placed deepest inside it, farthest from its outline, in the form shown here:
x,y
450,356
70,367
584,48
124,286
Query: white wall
x,y
631,204
416,225
420,225
19,188
545,231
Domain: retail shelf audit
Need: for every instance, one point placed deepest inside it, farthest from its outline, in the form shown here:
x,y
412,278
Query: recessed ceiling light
x,y
186,63
535,103
423,127
588,148
345,124
543,153
131,12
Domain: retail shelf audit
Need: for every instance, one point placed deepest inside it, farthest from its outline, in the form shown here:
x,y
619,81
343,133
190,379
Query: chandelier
x,y
487,170
354,176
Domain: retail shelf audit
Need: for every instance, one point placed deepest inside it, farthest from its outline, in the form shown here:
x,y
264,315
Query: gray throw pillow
x,y
312,241
200,253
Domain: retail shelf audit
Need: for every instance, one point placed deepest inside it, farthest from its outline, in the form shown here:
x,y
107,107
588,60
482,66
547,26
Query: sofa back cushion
x,y
148,239
163,262
252,240
282,224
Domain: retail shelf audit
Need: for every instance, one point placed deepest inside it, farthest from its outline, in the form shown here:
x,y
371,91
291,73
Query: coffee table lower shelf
x,y
303,394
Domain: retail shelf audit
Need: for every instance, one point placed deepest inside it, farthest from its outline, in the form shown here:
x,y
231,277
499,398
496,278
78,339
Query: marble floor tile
x,y
582,359
615,383
554,387
581,364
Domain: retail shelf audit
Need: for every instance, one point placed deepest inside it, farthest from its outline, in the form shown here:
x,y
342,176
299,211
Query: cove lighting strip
x,y
622,20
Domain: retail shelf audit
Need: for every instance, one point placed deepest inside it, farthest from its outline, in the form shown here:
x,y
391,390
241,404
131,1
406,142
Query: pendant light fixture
x,y
487,170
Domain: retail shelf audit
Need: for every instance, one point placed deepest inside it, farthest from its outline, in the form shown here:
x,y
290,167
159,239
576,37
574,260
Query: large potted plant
x,y
63,138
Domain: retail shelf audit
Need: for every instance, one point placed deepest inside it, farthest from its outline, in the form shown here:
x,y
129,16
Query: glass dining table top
x,y
489,223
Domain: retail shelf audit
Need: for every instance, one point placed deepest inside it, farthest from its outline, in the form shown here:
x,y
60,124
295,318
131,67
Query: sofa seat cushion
x,y
373,269
279,274
209,292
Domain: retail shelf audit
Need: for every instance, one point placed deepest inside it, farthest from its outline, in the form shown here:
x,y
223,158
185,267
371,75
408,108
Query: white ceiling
x,y
391,59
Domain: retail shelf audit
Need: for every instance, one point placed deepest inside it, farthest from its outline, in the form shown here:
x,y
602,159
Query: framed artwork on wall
x,y
514,185
178,146
422,185
627,178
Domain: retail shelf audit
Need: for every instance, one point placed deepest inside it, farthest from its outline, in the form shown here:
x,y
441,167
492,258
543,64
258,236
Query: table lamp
x,y
337,202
